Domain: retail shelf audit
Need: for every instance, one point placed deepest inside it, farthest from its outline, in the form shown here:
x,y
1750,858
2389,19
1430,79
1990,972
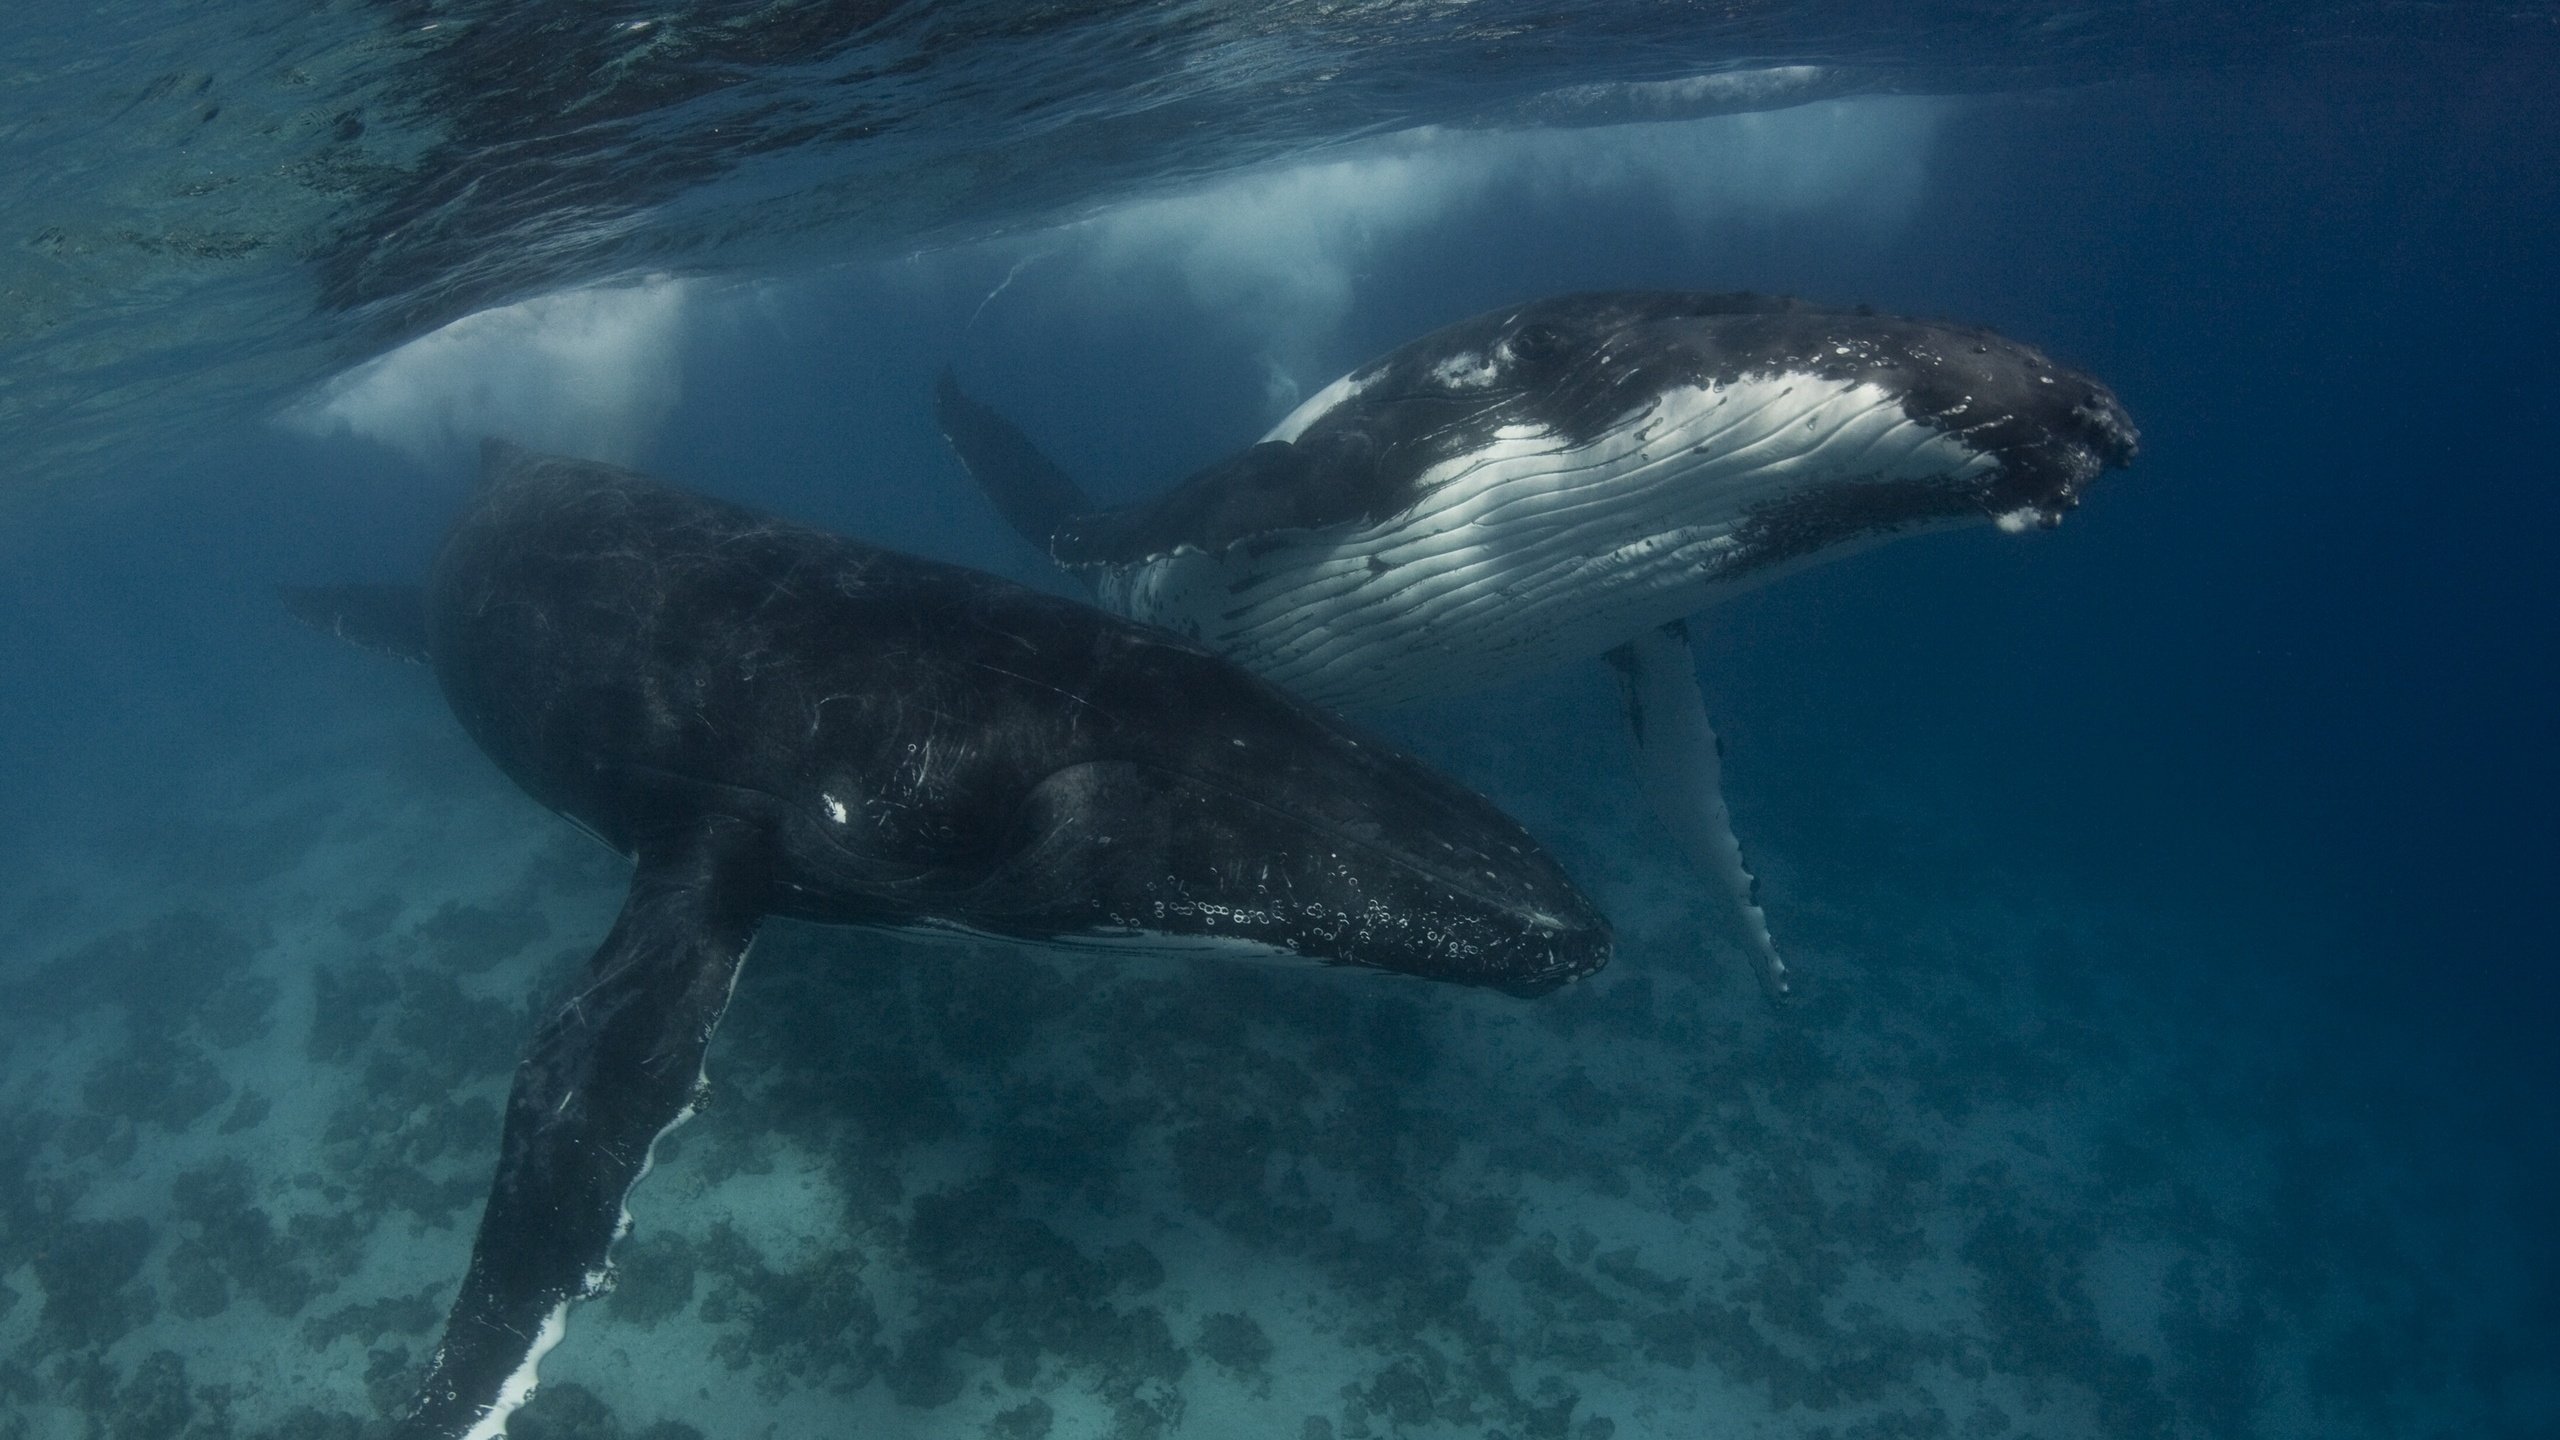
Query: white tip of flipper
x,y
521,1385
1771,968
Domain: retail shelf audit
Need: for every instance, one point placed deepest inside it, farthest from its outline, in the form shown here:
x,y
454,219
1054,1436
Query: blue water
x,y
2167,889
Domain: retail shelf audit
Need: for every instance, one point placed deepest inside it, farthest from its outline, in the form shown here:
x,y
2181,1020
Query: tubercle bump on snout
x,y
2113,441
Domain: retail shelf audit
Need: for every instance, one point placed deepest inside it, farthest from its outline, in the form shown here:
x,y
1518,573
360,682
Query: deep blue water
x,y
2217,821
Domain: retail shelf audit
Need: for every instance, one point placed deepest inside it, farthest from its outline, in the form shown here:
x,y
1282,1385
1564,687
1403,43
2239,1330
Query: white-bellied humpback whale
x,y
1566,478
769,720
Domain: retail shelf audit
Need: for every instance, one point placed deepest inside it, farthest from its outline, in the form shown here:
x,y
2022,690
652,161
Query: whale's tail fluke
x,y
1035,497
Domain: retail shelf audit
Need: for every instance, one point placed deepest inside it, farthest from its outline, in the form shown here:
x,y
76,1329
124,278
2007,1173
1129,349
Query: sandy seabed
x,y
2001,1173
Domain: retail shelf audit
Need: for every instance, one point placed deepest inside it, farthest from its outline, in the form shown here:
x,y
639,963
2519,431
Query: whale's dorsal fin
x,y
1035,497
1682,763
616,1066
385,619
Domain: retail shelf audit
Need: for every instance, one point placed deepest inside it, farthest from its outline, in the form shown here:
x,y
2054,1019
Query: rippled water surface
x,y
211,206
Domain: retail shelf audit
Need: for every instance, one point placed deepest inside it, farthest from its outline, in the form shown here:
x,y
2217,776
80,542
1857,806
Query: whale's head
x,y
1086,782
1223,809
1311,849
1802,427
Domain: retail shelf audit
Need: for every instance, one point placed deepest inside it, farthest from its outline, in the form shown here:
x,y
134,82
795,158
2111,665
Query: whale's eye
x,y
1536,342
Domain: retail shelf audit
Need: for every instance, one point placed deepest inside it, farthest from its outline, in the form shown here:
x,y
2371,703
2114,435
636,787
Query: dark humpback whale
x,y
1566,478
769,720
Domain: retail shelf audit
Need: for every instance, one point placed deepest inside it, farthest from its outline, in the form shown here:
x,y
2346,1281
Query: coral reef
x,y
1957,1192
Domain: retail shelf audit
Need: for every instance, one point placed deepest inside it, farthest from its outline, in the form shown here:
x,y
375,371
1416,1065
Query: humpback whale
x,y
1572,477
770,720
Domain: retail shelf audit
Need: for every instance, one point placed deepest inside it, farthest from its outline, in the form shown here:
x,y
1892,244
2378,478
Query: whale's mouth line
x,y
1440,877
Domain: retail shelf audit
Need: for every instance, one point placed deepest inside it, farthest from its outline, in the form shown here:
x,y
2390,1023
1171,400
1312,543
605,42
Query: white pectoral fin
x,y
1681,767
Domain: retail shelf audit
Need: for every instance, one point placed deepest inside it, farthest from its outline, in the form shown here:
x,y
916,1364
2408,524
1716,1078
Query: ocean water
x,y
2166,891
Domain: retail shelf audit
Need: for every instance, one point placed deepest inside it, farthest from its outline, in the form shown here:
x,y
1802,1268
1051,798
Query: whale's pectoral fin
x,y
616,1066
1683,771
386,619
1035,497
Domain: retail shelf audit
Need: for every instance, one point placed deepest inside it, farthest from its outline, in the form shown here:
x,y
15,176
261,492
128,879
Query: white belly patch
x,y
1533,549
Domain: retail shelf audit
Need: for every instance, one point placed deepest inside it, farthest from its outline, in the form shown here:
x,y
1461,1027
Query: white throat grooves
x,y
1532,550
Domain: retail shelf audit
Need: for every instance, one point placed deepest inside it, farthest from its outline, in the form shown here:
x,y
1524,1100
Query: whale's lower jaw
x,y
1532,549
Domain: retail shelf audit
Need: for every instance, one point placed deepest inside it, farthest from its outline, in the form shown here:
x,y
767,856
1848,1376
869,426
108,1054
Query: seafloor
x,y
2032,1158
